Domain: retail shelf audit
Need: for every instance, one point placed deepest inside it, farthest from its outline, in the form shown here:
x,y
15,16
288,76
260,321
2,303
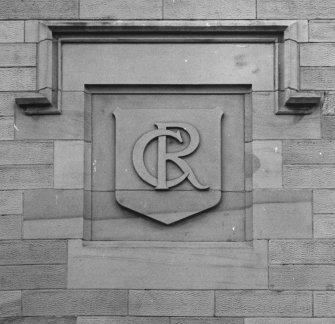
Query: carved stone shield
x,y
168,161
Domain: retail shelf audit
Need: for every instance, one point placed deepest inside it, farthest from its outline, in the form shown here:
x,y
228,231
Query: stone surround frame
x,y
89,262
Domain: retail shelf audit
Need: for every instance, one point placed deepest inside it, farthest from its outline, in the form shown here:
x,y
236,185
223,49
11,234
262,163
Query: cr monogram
x,y
161,133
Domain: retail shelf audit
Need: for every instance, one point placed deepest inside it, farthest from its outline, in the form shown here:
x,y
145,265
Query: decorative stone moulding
x,y
284,35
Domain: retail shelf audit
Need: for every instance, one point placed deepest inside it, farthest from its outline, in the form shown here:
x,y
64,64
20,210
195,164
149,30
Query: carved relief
x,y
166,174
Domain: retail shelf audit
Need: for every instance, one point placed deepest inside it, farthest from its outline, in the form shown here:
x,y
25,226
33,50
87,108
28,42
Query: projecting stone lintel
x,y
284,35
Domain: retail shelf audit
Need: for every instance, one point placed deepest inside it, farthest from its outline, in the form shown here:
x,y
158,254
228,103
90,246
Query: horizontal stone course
x,y
171,303
302,252
32,277
302,277
295,9
39,9
263,303
74,302
10,304
33,252
209,9
309,152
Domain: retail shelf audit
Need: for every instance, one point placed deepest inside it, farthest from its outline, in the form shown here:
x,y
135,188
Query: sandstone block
x,y
122,320
64,228
322,31
267,164
17,55
289,320
309,152
120,9
11,202
328,127
324,304
26,153
240,9
69,165
317,78
282,214
295,9
324,225
309,176
50,204
315,54
266,125
32,277
11,31
167,265
31,31
68,125
26,176
10,227
324,201
7,103
18,79
263,303
10,303
302,252
171,303
39,9
206,320
6,128
33,252
302,277
74,302
39,320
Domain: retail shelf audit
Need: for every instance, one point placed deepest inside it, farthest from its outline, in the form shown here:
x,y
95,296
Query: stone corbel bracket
x,y
285,35
291,100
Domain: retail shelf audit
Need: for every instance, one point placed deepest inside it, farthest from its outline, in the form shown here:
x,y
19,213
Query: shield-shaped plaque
x,y
168,161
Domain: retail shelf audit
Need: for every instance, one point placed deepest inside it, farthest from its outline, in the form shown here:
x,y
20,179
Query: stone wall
x,y
294,193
